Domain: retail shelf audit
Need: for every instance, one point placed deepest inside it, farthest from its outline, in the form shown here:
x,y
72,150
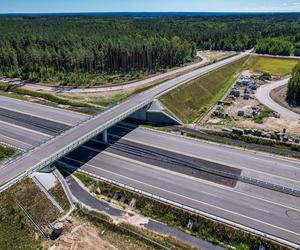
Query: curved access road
x,y
118,87
114,87
263,95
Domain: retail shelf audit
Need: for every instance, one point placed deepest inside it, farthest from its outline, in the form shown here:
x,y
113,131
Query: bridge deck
x,y
59,146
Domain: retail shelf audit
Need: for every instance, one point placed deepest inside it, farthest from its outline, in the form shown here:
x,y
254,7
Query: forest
x,y
112,48
293,94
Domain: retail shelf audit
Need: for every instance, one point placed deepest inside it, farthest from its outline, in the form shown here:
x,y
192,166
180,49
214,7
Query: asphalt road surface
x,y
24,125
49,113
255,207
267,211
60,145
86,198
256,165
263,95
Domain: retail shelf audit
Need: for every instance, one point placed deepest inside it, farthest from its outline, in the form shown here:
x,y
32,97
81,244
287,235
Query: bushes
x,y
204,228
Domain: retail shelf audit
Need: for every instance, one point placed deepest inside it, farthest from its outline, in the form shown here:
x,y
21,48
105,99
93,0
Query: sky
x,y
58,6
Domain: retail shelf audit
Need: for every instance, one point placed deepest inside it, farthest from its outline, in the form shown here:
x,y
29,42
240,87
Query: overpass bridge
x,y
66,142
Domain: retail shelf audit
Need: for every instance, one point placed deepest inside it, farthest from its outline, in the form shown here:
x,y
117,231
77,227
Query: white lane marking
x,y
222,148
79,116
12,139
105,152
197,201
254,154
208,159
38,116
201,181
24,128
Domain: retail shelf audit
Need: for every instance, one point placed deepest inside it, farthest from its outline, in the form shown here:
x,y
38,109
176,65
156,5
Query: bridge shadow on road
x,y
91,149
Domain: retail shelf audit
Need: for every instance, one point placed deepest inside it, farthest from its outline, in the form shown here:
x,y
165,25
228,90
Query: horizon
x,y
155,6
150,12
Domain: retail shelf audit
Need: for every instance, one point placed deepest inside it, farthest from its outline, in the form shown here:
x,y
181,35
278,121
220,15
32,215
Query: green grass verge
x,y
6,152
22,94
191,101
16,231
251,143
204,228
275,66
49,97
59,195
106,102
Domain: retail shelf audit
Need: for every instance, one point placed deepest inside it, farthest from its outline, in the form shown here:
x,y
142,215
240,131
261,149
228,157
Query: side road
x,y
115,87
82,196
263,95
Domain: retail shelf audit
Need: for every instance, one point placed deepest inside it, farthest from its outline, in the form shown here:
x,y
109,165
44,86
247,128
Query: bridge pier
x,y
104,136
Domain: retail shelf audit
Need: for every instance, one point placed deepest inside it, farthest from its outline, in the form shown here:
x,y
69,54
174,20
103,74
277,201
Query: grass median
x,y
6,152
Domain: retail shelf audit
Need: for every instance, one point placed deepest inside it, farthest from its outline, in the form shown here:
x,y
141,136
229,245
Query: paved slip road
x,y
54,149
267,211
263,95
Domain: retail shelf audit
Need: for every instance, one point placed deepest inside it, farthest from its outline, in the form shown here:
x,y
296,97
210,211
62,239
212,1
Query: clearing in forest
x,y
277,67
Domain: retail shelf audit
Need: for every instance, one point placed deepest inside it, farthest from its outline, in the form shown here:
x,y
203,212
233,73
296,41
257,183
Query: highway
x,y
147,160
53,150
24,125
263,95
68,118
265,210
253,164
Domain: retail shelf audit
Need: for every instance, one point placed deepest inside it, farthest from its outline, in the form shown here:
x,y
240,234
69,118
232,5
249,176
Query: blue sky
x,y
50,6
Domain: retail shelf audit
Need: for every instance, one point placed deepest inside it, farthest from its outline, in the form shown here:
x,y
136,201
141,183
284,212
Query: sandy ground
x,y
241,104
78,235
279,95
274,124
216,55
270,124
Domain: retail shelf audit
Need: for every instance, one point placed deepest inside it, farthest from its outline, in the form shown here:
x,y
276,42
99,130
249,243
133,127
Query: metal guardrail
x,y
253,181
193,210
57,155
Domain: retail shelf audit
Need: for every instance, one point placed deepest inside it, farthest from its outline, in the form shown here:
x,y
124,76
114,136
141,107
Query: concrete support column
x,y
104,136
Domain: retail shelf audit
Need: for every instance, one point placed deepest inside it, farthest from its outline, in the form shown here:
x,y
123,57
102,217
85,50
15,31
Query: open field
x,y
277,67
16,231
191,101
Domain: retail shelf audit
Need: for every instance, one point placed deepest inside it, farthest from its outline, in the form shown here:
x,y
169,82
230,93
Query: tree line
x,y
293,94
275,46
99,49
